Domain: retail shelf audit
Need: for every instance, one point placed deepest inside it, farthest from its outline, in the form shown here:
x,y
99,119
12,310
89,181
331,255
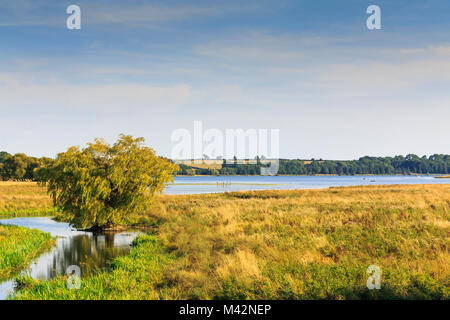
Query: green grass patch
x,y
140,275
18,247
32,212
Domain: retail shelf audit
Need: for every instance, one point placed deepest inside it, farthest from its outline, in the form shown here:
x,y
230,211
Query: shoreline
x,y
319,175
309,189
41,205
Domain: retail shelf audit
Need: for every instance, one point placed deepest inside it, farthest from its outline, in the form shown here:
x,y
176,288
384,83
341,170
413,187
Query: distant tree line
x,y
20,166
411,164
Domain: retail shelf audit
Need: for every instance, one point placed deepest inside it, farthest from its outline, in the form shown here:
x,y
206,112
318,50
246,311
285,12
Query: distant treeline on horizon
x,y
22,167
411,164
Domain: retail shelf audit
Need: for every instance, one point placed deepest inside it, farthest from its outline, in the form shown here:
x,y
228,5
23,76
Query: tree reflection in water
x,y
91,252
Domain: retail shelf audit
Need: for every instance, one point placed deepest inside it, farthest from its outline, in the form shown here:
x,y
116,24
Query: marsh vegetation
x,y
24,199
300,244
19,246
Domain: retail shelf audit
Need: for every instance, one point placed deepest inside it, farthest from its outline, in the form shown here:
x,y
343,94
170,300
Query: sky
x,y
310,68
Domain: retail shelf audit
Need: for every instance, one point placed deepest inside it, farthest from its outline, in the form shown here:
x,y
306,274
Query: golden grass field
x,y
265,242
24,199
301,244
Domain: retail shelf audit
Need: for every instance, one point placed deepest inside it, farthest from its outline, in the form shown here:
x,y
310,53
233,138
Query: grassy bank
x,y
18,247
24,199
302,244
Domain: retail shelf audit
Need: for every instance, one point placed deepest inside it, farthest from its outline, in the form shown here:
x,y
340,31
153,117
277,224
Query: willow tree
x,y
101,184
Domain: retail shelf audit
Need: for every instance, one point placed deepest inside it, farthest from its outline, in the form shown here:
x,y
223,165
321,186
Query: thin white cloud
x,y
149,14
30,13
331,98
97,98
378,78
337,70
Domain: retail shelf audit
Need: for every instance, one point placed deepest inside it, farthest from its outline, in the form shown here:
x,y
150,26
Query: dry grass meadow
x,y
24,199
301,244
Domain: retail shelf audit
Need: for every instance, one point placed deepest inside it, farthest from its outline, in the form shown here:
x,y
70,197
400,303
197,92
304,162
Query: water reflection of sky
x,y
217,184
91,252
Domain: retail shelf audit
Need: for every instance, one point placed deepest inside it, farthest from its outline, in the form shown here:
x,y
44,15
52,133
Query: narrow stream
x,y
90,252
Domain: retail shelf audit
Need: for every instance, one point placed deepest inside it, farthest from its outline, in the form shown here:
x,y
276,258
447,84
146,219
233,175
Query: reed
x,y
299,244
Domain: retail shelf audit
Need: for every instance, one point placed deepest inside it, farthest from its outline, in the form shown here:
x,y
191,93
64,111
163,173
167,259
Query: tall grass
x,y
18,247
24,199
300,244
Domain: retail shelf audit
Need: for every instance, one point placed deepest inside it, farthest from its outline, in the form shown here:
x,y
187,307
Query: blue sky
x,y
309,68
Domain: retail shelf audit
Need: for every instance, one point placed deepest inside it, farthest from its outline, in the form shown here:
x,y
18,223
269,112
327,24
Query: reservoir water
x,y
214,184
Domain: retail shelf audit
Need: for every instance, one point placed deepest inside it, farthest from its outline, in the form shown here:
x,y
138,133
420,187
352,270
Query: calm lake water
x,y
91,252
214,184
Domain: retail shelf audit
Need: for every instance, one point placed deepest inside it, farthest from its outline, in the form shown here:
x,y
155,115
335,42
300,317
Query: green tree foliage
x,y
19,166
3,155
98,185
16,166
411,164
